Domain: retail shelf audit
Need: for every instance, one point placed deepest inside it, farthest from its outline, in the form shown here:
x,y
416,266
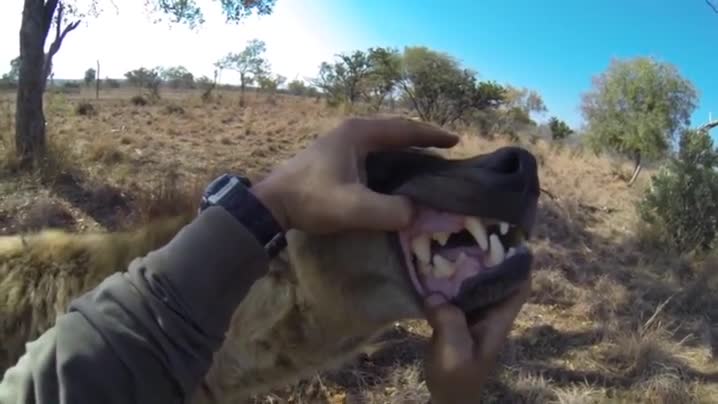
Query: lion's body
x,y
311,312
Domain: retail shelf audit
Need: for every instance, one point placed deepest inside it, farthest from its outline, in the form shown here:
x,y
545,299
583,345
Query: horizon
x,y
555,49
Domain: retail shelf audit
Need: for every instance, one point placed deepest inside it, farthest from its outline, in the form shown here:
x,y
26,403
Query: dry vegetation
x,y
612,318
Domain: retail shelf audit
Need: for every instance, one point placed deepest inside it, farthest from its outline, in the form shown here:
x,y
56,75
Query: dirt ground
x,y
612,318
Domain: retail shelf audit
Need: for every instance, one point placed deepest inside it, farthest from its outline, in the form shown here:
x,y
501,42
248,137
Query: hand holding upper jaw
x,y
320,190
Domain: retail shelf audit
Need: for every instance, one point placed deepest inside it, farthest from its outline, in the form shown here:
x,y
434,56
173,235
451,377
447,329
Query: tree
x,y
559,129
14,72
90,75
636,108
383,77
249,63
343,81
40,16
440,90
271,84
177,77
148,79
681,205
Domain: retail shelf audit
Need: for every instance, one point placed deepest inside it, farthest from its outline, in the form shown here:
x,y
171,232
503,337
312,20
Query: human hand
x,y
321,190
460,358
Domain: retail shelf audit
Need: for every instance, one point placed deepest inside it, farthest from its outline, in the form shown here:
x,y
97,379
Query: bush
x,y
559,129
112,83
681,206
86,109
138,100
174,109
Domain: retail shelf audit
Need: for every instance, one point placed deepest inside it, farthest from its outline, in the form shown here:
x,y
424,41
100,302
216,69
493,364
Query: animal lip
x,y
442,249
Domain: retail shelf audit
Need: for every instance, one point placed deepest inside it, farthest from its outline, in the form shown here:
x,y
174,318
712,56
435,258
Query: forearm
x,y
146,335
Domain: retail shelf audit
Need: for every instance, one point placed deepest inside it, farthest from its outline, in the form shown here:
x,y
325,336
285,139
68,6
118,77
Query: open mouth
x,y
442,249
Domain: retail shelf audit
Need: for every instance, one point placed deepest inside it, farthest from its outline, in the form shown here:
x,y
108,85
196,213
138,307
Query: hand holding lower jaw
x,y
320,191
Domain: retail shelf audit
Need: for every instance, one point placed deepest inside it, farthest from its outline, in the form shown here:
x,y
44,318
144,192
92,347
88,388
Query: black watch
x,y
232,192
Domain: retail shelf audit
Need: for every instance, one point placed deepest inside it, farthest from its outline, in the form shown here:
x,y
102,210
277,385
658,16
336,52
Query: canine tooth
x,y
496,250
503,228
510,253
426,268
443,268
421,247
477,229
441,238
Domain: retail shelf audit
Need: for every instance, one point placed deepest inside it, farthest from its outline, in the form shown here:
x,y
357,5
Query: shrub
x,y
559,129
138,100
681,206
86,109
112,83
174,109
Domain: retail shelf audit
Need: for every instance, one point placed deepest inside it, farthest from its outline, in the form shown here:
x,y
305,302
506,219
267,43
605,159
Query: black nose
x,y
502,184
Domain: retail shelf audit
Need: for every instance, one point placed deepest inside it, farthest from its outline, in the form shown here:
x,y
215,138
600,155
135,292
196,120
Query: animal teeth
x,y
511,252
477,229
503,228
441,238
421,247
496,250
425,268
443,268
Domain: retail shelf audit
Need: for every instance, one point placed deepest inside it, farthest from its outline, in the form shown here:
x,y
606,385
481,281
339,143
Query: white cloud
x,y
299,36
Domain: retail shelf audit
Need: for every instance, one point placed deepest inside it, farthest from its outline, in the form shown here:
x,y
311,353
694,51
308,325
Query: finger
x,y
363,208
397,133
492,331
452,343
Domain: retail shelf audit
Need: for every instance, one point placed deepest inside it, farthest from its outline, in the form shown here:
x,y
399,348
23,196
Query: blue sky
x,y
554,47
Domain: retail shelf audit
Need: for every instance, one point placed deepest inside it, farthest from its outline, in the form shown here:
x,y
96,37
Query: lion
x,y
324,298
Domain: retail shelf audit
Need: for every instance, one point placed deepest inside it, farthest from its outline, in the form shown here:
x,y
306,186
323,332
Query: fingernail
x,y
435,299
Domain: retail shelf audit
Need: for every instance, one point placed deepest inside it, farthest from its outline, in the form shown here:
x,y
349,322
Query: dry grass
x,y
612,317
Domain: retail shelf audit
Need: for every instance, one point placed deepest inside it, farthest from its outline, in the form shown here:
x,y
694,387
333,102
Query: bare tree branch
x,y
60,34
708,126
713,6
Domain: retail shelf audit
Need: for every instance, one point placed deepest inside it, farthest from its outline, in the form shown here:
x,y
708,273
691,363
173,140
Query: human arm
x,y
148,335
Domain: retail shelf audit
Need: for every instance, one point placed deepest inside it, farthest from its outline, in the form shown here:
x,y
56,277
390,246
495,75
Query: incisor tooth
x,y
443,268
510,253
477,229
441,238
425,268
421,247
503,228
496,250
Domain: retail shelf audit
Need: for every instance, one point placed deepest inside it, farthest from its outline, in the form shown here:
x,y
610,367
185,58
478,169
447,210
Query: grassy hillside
x,y
612,318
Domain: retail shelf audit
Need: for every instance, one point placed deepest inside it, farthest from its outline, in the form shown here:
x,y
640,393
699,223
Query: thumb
x,y
452,341
366,209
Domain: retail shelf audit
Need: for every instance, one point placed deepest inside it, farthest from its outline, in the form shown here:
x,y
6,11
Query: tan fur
x,y
317,307
41,273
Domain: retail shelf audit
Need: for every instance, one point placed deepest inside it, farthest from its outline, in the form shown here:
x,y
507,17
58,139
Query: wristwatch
x,y
232,192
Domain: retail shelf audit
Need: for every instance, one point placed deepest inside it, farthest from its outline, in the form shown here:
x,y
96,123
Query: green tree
x,y
682,203
559,129
297,87
39,17
148,79
90,75
637,107
14,72
440,90
249,63
383,76
177,77
343,80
